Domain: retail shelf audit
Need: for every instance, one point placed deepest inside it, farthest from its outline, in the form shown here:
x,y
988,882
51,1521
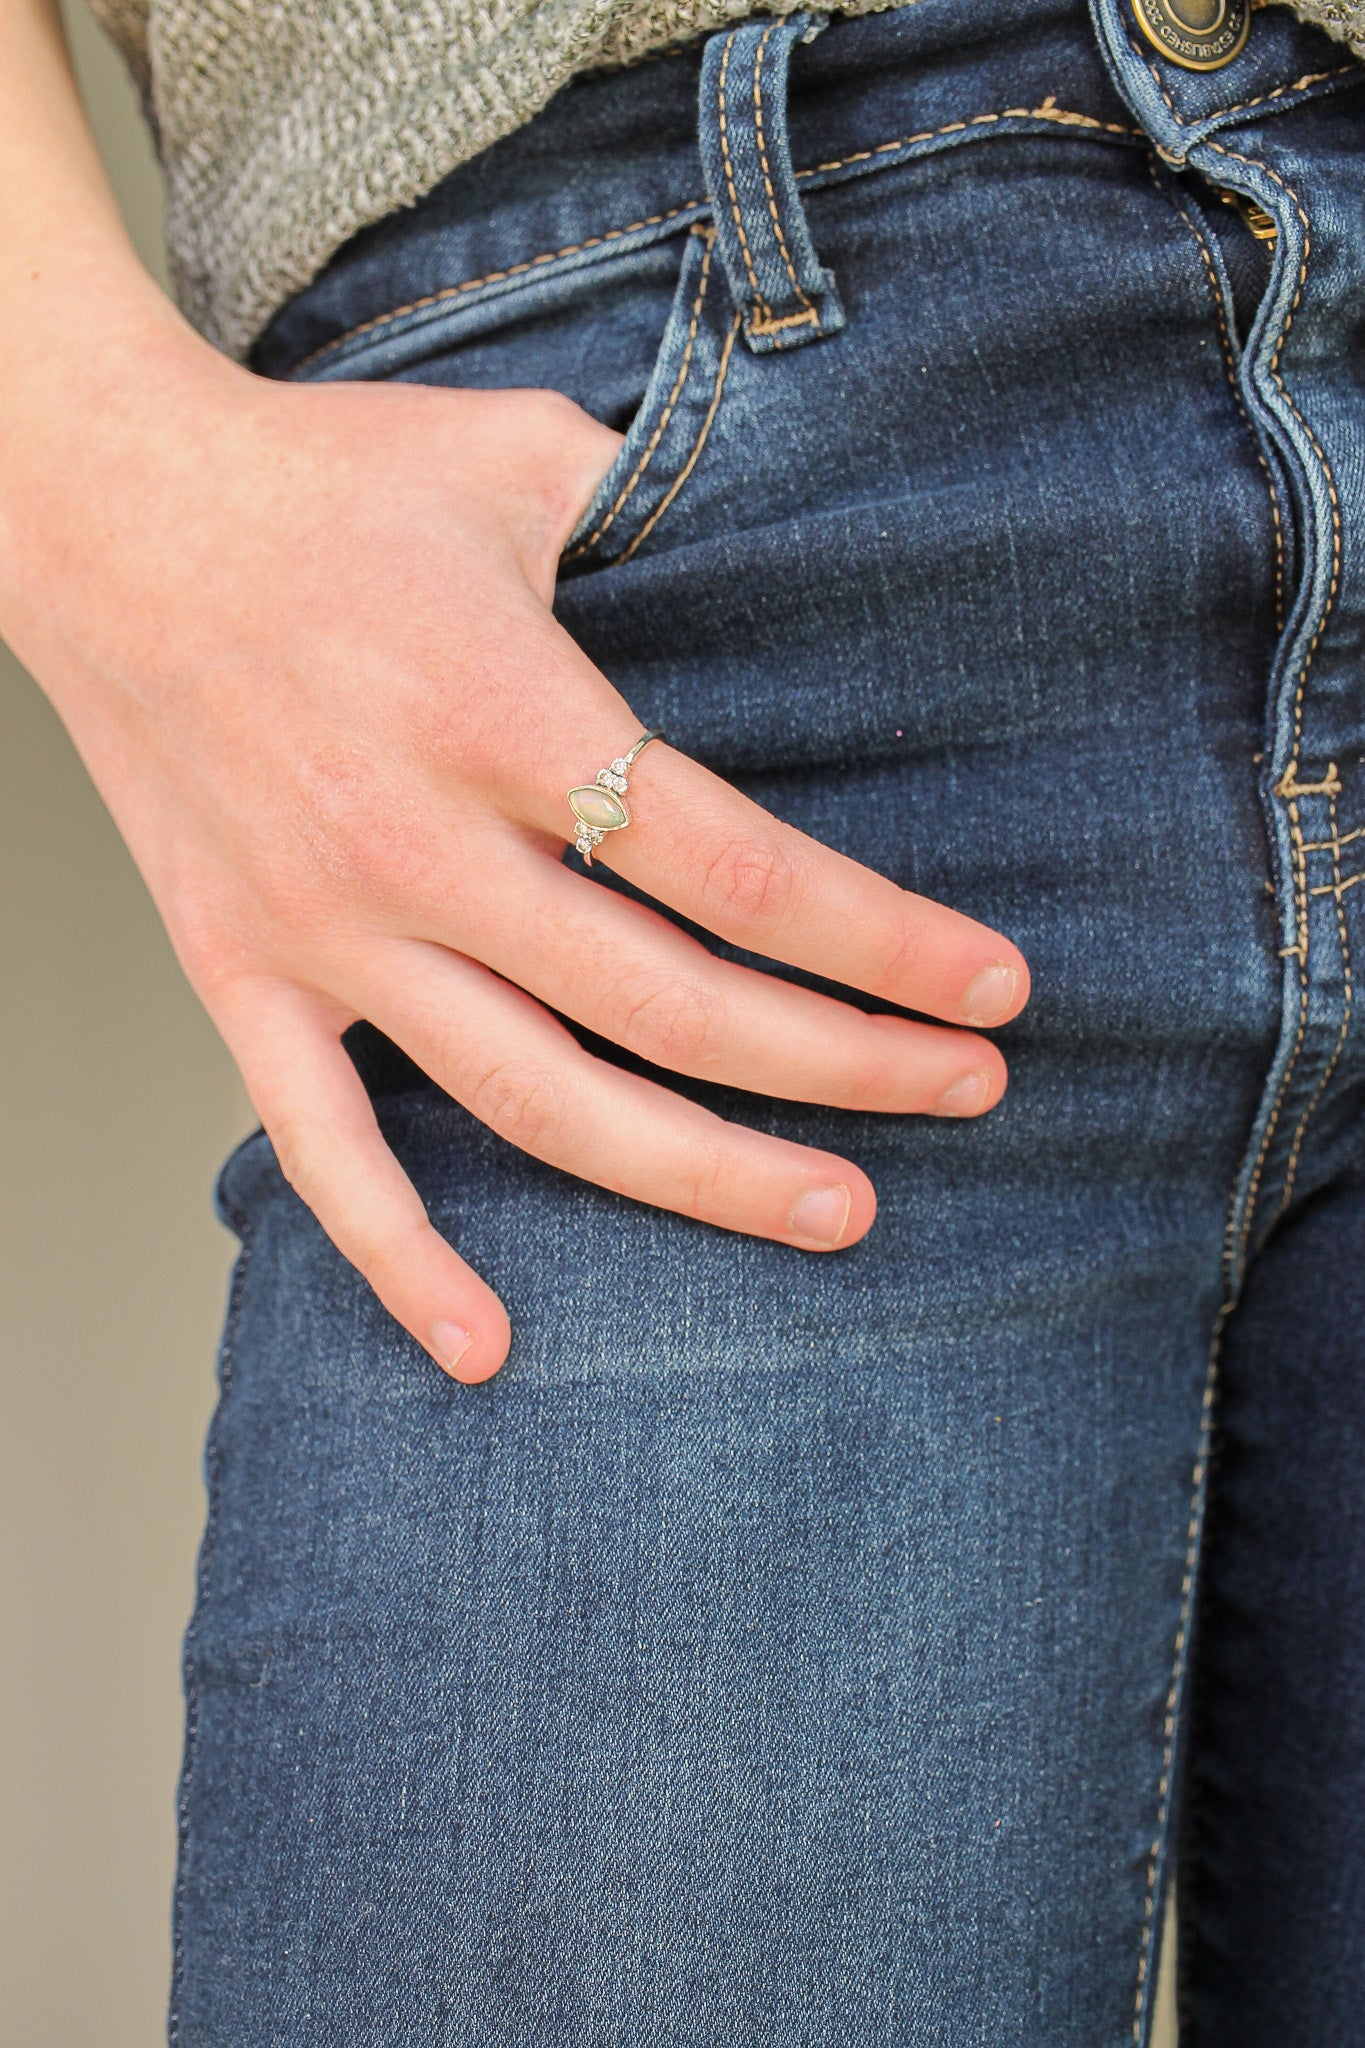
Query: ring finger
x,y
630,975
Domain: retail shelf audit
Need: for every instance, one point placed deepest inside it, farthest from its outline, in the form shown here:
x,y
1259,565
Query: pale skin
x,y
303,640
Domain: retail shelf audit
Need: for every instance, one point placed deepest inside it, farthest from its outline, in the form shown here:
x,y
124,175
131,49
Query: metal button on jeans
x,y
1198,35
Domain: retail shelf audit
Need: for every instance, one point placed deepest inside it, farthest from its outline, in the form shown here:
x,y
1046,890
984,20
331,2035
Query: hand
x,y
303,639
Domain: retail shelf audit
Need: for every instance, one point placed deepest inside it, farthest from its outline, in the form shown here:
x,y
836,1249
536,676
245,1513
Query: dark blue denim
x,y
793,1653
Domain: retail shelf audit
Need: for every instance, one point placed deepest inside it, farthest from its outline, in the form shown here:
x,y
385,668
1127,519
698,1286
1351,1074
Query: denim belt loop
x,y
781,288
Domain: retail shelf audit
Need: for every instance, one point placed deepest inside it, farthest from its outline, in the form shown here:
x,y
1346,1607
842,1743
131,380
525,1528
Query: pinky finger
x,y
318,1117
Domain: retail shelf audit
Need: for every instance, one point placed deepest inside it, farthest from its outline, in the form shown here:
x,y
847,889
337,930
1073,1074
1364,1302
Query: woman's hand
x,y
303,639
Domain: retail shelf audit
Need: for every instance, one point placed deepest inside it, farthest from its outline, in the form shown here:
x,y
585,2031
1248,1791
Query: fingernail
x,y
991,995
965,1097
450,1343
820,1216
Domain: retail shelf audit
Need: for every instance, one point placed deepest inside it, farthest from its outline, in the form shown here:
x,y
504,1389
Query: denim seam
x,y
1339,888
1198,1480
472,284
1236,1242
1229,1234
1280,93
1229,363
1219,114
647,456
213,1473
685,472
1171,1718
1337,840
1048,111
1309,79
724,129
1060,116
1188,1855
1192,1860
1289,789
810,317
1347,1005
1156,78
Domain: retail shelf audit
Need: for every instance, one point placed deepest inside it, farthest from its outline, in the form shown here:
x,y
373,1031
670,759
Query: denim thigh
x,y
791,1651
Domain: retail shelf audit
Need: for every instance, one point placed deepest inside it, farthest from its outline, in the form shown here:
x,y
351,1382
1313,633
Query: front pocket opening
x,y
675,417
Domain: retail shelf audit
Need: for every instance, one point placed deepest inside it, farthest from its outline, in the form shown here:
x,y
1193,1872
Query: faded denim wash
x,y
841,1653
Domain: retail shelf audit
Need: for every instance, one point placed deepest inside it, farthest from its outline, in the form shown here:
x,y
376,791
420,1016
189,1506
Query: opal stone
x,y
599,807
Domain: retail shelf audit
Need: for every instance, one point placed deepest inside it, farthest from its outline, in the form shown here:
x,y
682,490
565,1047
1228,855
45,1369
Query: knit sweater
x,y
286,125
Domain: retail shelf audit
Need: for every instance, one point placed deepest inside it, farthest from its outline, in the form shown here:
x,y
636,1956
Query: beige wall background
x,y
117,1102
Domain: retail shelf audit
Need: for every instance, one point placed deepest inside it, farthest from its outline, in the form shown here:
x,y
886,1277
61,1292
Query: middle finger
x,y
630,975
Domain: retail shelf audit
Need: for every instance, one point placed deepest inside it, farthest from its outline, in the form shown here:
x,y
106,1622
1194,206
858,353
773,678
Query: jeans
x,y
796,1653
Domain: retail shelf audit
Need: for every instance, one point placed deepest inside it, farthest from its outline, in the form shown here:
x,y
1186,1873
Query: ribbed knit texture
x,y
286,125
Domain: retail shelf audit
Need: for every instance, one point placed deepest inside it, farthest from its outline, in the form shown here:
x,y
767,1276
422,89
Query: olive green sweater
x,y
286,125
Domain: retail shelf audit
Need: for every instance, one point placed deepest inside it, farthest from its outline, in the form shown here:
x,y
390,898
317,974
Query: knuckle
x,y
751,882
377,1245
873,1083
365,839
208,962
209,941
360,863
895,961
520,1102
551,411
706,1186
668,1022
375,1232
548,426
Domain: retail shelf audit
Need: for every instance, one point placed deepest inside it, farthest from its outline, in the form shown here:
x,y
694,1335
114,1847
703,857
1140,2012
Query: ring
x,y
597,805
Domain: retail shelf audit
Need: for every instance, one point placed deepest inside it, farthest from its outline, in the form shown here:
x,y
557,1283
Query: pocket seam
x,y
647,455
685,472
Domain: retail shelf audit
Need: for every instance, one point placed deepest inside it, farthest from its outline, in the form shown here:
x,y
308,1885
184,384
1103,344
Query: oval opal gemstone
x,y
599,807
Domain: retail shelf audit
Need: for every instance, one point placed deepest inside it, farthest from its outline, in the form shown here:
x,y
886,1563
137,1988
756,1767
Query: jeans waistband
x,y
734,129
